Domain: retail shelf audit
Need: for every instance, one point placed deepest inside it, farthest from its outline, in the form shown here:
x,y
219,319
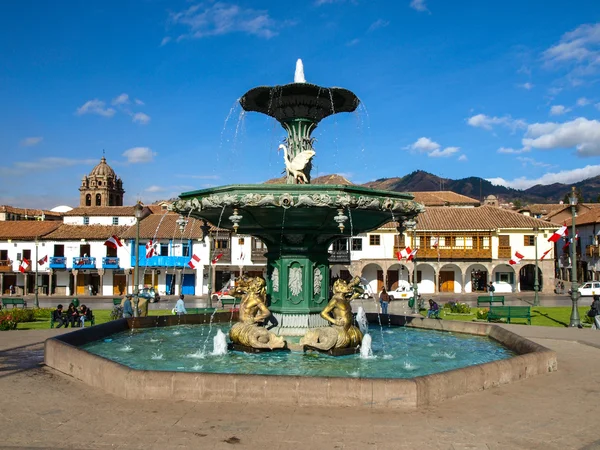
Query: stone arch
x,y
527,278
450,278
477,278
398,274
88,200
426,277
98,199
505,279
372,275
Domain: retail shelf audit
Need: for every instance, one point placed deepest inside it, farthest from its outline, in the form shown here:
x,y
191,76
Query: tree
x,y
517,204
578,194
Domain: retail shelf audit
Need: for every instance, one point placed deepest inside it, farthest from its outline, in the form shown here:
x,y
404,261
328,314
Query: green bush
x,y
22,315
482,314
7,322
458,308
43,313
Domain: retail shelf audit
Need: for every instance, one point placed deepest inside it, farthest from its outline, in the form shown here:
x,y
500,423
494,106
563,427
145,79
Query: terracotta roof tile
x,y
106,211
164,226
589,217
26,229
29,212
480,218
92,232
443,198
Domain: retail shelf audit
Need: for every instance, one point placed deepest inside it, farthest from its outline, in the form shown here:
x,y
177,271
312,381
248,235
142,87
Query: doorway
x,y
446,281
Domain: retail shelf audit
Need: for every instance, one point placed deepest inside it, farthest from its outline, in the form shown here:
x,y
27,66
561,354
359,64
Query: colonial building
x,y
102,187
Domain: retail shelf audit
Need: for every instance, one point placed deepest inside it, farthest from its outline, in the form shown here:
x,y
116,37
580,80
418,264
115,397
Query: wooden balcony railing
x,y
505,252
455,253
339,256
258,255
5,266
226,258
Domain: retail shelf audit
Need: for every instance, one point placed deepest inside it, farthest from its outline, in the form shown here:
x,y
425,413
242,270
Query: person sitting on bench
x,y
72,316
57,316
434,309
84,314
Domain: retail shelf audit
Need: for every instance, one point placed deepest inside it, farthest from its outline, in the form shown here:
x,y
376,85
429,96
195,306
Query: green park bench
x,y
509,312
92,321
200,310
14,301
117,301
230,301
490,299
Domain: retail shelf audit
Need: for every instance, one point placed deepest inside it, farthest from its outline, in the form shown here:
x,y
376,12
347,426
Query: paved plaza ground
x,y
41,408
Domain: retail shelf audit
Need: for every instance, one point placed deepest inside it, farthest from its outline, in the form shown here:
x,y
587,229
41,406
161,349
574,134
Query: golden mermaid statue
x,y
248,331
338,312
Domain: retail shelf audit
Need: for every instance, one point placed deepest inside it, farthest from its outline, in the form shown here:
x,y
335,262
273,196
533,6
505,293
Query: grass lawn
x,y
547,316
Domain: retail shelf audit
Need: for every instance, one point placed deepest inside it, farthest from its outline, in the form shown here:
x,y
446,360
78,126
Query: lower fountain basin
x,y
399,380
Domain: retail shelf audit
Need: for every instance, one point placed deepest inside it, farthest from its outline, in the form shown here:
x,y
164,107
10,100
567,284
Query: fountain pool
x,y
410,353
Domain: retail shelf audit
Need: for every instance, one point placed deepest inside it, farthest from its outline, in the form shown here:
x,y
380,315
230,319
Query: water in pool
x,y
405,353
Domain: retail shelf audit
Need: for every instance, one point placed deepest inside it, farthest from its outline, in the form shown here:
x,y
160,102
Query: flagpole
x,y
37,301
536,283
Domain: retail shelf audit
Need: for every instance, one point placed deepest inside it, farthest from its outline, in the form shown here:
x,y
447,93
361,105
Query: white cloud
x,y
513,151
487,122
557,110
95,106
418,5
463,158
155,188
141,118
448,151
578,50
137,155
52,163
139,102
353,42
122,99
528,86
597,105
31,141
582,101
432,148
379,23
532,162
165,40
220,18
581,133
198,177
565,177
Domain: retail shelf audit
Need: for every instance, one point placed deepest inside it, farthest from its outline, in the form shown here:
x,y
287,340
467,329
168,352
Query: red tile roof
x,y
26,229
119,211
92,232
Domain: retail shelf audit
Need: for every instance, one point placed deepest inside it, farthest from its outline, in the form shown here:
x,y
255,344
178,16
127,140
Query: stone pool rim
x,y
63,353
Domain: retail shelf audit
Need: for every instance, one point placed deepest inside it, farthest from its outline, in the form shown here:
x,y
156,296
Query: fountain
x,y
422,361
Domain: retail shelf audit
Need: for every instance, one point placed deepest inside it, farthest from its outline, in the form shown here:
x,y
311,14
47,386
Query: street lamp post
x,y
138,209
536,282
182,223
37,300
574,320
205,228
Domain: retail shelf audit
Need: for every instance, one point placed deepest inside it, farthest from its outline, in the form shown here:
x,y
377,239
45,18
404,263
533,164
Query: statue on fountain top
x,y
342,333
249,330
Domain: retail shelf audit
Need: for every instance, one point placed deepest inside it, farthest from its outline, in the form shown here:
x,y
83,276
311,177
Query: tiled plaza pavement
x,y
41,408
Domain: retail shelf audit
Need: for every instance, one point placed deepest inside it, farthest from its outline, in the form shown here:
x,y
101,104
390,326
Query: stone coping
x,y
63,354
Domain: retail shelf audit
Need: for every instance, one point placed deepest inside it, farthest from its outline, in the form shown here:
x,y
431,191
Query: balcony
x,y
5,265
84,262
226,258
162,261
504,252
110,262
454,253
58,262
339,256
592,251
258,255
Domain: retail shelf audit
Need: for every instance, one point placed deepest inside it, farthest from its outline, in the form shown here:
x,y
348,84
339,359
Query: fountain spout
x,y
299,75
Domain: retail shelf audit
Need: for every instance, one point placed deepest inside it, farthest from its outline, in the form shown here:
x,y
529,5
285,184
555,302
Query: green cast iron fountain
x,y
298,221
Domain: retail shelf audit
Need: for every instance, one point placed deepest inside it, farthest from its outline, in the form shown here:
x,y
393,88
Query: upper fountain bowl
x,y
299,101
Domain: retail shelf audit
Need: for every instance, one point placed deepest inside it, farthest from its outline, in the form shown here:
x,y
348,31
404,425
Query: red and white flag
x,y
412,254
113,242
558,234
545,253
436,242
24,265
149,249
217,258
404,253
43,261
194,261
242,255
516,259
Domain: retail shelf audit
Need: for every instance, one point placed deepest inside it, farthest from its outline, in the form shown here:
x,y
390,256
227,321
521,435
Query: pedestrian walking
x,y
491,289
594,313
384,301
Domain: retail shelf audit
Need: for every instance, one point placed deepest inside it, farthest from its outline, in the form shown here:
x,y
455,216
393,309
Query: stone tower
x,y
101,187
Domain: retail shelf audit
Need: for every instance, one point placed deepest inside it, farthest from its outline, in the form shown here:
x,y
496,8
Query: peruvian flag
x,y
545,253
436,242
43,261
404,253
516,259
242,255
113,242
24,265
149,249
558,234
194,261
412,254
216,258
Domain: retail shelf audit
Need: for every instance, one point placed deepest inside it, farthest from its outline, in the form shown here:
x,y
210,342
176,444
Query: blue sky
x,y
506,90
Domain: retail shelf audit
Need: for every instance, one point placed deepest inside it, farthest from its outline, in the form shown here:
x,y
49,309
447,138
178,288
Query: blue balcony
x,y
110,262
58,262
161,261
84,262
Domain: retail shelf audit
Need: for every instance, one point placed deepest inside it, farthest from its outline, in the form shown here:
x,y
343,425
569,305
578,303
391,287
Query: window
x,y
3,255
399,240
374,239
356,244
164,249
98,200
111,252
88,200
341,245
185,249
115,221
221,243
86,220
258,244
59,250
529,240
240,241
27,254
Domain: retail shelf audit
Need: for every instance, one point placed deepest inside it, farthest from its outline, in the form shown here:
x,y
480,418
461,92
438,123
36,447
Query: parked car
x,y
404,291
150,294
590,288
